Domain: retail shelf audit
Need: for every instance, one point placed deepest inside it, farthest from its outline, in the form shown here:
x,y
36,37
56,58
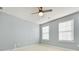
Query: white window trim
x,y
72,33
44,33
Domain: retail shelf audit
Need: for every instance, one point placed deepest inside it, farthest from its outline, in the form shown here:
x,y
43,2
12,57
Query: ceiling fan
x,y
41,11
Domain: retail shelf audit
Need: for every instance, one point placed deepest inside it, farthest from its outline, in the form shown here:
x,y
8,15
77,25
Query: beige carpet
x,y
41,47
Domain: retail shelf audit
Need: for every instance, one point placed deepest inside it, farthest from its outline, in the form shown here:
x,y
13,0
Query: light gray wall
x,y
15,32
53,35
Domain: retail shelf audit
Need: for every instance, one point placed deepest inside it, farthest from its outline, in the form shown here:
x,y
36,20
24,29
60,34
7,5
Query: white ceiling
x,y
25,13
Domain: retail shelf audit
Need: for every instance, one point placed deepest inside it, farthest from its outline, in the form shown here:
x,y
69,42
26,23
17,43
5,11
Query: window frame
x,y
44,33
64,31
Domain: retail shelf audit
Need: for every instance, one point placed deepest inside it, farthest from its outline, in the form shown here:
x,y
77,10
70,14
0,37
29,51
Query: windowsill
x,y
66,41
45,40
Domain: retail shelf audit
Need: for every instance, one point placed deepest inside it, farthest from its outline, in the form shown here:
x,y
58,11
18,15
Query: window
x,y
66,31
45,33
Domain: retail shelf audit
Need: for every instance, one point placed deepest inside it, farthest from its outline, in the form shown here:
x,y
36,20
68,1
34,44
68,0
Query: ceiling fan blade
x,y
35,13
1,8
50,10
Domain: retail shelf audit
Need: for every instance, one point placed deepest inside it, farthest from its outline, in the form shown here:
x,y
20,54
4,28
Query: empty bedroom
x,y
39,28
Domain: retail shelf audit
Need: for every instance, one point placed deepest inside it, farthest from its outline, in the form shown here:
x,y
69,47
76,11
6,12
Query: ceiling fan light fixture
x,y
41,13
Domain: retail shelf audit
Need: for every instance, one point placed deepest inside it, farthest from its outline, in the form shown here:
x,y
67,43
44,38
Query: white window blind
x,y
66,30
45,33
